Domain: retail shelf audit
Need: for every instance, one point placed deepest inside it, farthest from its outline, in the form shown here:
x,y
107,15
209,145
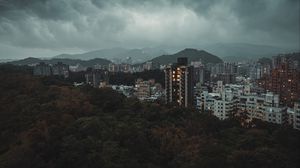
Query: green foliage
x,y
54,125
129,79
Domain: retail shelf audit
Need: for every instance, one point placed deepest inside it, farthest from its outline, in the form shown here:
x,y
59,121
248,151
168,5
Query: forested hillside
x,y
191,54
46,123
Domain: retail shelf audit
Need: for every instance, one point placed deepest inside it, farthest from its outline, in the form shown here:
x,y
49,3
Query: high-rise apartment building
x,y
198,72
225,72
42,69
94,77
60,69
284,80
179,83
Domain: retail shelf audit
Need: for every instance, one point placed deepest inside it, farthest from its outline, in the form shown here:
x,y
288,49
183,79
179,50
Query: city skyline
x,y
47,28
149,83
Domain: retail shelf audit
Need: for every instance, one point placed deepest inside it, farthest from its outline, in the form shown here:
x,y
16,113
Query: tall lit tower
x,y
179,83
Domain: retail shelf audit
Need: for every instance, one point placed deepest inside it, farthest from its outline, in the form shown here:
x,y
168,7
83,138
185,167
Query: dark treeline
x,y
9,69
119,78
122,78
47,123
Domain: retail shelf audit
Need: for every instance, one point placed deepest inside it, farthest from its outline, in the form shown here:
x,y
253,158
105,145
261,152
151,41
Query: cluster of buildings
x,y
284,79
115,67
96,77
126,68
144,90
267,91
127,91
259,70
119,67
241,100
129,68
272,95
226,72
58,69
148,90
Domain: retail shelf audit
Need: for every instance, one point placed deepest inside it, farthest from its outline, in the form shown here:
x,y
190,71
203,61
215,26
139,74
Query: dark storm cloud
x,y
91,24
269,15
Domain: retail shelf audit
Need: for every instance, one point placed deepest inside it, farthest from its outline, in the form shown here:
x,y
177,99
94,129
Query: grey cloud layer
x,y
89,24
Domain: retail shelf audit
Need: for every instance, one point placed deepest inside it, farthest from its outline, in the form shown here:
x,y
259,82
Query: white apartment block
x,y
223,108
220,104
206,102
274,115
263,107
294,116
297,115
238,98
253,105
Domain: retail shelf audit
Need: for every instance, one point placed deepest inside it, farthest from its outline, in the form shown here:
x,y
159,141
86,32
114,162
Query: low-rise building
x,y
294,115
142,89
124,89
297,115
148,90
274,115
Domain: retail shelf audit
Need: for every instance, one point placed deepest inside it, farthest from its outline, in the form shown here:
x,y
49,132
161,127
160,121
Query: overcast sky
x,y
43,28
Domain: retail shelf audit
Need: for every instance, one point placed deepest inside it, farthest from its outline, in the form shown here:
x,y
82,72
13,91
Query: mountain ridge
x,y
117,54
87,63
244,51
191,54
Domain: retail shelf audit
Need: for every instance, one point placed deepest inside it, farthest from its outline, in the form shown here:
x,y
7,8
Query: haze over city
x,y
44,28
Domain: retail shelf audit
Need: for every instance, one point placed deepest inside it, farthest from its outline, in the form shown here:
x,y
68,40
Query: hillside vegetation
x,y
191,54
50,124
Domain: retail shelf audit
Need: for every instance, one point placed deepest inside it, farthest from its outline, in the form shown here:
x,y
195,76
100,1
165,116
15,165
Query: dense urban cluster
x,y
267,89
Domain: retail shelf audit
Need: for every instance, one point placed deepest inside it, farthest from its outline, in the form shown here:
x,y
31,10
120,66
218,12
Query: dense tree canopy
x,y
130,78
122,78
45,123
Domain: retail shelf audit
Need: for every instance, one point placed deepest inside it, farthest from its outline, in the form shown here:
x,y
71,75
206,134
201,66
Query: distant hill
x,y
265,61
6,60
26,61
244,51
86,63
191,54
117,54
